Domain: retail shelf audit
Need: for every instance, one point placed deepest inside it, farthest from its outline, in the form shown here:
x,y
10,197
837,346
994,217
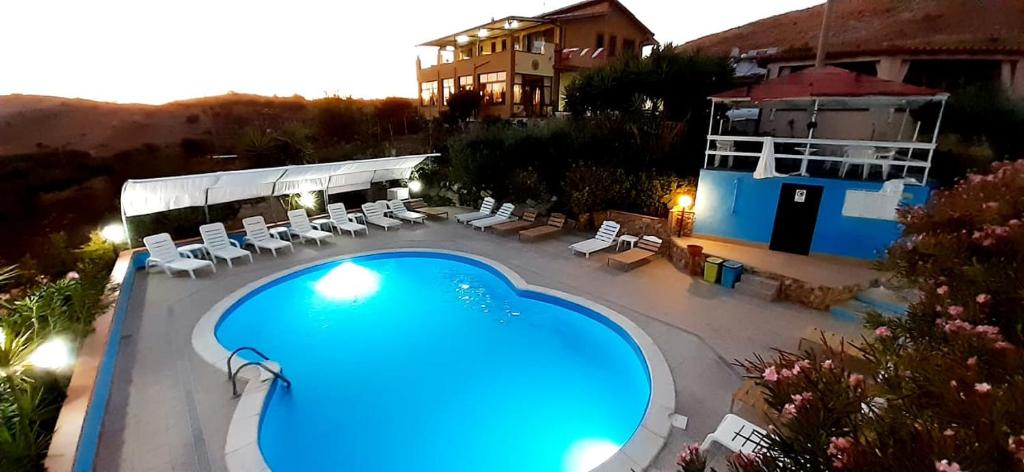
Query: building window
x,y
492,87
465,53
447,89
628,46
466,82
504,44
494,47
428,93
600,41
613,43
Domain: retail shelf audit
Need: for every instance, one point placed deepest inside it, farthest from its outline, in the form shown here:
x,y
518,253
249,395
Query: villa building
x,y
531,57
939,44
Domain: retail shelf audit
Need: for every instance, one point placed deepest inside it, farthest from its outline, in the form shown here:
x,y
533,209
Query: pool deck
x,y
169,409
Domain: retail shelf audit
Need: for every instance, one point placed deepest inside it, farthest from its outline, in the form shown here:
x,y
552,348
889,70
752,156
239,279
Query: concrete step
x,y
758,287
884,300
854,311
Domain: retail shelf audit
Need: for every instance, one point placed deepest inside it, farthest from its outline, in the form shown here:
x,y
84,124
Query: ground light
x,y
586,454
307,200
113,232
415,186
54,354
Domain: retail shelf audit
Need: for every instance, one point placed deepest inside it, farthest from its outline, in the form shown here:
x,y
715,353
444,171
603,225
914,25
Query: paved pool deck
x,y
169,410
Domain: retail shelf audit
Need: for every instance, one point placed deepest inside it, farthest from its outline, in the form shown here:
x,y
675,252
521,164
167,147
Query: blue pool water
x,y
433,362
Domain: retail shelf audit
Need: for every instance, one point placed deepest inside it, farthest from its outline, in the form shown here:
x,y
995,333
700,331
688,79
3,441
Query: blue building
x,y
816,162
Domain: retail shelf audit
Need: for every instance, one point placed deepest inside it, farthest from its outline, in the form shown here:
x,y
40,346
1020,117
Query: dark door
x,y
795,218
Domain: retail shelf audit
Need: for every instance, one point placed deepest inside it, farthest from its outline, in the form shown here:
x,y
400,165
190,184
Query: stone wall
x,y
634,224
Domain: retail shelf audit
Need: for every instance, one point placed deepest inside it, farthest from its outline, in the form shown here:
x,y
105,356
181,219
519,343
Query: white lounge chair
x,y
399,211
218,244
737,435
604,238
302,228
485,210
504,215
340,220
257,234
375,215
163,254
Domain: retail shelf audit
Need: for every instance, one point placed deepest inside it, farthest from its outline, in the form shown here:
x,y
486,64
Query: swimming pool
x,y
428,361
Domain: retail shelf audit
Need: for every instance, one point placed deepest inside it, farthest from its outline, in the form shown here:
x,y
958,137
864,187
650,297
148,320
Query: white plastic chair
x,y
504,215
302,228
865,153
218,244
604,239
724,146
257,234
164,254
340,219
736,434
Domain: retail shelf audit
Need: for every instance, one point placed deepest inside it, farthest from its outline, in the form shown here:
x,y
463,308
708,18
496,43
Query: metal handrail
x,y
235,353
277,375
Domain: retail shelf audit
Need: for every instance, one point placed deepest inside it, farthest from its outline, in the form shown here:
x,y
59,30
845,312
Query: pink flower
x,y
827,364
982,387
991,332
883,332
992,205
839,450
942,290
786,373
955,326
800,399
801,364
948,433
73,275
1003,345
1016,447
788,410
955,310
945,466
983,298
856,380
1014,222
973,361
770,374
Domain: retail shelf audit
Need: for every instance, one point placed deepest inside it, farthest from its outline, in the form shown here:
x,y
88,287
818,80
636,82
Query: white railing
x,y
886,154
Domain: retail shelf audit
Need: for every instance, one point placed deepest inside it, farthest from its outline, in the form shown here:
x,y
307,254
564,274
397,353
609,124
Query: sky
x,y
145,51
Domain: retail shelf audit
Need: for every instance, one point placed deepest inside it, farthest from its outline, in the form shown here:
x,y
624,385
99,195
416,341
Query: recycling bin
x,y
712,269
731,272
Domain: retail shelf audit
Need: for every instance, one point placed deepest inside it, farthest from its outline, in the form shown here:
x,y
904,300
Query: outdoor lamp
x,y
54,354
415,186
307,200
684,202
113,232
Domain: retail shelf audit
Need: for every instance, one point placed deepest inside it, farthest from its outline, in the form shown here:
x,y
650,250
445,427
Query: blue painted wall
x,y
733,205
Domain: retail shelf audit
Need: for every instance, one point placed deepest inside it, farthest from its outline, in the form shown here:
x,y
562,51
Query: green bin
x,y
712,269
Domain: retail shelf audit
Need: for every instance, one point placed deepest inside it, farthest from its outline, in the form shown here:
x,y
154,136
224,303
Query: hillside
x,y
30,123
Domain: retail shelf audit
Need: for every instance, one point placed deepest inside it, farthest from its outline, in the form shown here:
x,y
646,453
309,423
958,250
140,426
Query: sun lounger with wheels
x,y
341,221
504,215
375,215
218,244
257,234
553,226
646,249
528,221
163,254
604,238
399,211
302,228
485,210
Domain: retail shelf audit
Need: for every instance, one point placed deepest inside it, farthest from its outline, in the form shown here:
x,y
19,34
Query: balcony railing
x,y
816,157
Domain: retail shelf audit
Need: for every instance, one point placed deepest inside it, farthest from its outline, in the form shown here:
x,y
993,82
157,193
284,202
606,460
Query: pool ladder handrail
x,y
233,374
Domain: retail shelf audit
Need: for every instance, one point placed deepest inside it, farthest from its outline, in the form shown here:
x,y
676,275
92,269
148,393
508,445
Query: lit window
x,y
492,87
428,93
447,89
466,82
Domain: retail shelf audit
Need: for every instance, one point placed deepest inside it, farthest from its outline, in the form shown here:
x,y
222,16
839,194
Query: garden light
x,y
415,186
684,202
113,232
307,200
54,354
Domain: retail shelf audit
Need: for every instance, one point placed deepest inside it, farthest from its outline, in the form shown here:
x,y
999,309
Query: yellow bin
x,y
713,269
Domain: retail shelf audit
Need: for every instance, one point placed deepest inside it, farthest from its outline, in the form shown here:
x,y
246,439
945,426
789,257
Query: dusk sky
x,y
155,52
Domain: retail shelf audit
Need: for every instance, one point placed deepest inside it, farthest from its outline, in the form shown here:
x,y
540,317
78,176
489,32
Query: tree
x,y
946,388
463,105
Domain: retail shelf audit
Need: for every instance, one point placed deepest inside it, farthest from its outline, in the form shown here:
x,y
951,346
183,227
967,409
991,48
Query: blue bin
x,y
731,272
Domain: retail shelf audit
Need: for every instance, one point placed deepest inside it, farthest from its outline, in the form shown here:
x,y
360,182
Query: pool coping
x,y
241,449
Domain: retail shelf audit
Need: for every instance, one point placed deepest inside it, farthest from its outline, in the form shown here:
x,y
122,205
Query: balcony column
x,y
510,78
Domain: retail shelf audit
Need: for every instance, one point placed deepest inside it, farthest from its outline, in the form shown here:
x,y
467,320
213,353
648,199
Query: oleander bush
x,y
32,314
945,391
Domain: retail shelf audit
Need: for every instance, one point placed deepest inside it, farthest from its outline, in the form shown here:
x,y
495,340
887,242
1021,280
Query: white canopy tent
x,y
147,196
